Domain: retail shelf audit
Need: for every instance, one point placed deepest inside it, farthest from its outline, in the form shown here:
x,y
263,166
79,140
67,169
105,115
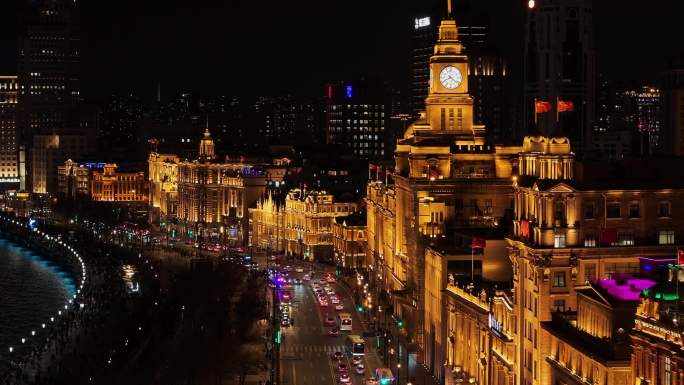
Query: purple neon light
x,y
630,291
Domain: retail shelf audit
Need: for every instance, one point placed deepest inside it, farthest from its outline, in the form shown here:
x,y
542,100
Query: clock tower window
x,y
460,118
451,118
443,119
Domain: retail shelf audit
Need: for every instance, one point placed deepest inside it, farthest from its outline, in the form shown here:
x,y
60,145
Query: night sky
x,y
266,47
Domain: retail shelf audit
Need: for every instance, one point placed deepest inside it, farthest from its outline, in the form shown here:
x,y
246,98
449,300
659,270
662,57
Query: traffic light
x,y
359,309
400,323
277,337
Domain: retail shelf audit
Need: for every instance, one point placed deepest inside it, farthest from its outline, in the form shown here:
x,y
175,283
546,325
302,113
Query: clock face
x,y
450,77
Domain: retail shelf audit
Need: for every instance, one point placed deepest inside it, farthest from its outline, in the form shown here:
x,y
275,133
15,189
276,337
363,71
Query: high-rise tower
x,y
559,64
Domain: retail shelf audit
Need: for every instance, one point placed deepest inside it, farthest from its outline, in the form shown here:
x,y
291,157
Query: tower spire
x,y
449,9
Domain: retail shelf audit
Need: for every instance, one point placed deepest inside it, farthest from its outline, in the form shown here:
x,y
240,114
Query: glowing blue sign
x,y
349,91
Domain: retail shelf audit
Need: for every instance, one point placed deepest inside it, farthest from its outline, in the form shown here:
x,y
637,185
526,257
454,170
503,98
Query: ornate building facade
x,y
110,185
349,241
208,199
447,177
302,225
657,342
101,182
570,230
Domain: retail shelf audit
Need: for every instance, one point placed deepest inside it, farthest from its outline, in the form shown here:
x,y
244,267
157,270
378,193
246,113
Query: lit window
x,y
559,241
666,237
625,239
590,240
559,279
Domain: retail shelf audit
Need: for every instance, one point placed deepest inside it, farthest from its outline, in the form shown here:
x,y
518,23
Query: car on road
x,y
306,277
357,360
297,281
342,367
330,321
339,306
324,303
333,332
299,270
288,268
344,377
371,381
334,300
337,355
360,369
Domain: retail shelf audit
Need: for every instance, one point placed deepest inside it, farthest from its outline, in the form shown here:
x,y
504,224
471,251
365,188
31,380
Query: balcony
x,y
604,349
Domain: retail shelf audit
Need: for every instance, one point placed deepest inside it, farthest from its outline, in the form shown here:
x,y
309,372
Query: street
x,y
307,349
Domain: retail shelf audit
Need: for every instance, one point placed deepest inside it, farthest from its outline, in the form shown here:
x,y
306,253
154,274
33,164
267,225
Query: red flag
x,y
478,243
541,106
565,106
242,159
434,174
680,256
524,228
608,236
371,166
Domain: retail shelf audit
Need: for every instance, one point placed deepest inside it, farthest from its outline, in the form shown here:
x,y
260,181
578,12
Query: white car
x,y
339,306
299,270
334,300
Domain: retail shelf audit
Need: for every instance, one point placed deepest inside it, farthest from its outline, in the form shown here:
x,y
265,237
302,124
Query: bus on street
x,y
355,345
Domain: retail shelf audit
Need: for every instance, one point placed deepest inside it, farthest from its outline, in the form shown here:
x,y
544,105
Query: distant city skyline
x,y
204,48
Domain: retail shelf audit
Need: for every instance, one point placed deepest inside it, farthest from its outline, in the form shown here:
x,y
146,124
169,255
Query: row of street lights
x,y
53,240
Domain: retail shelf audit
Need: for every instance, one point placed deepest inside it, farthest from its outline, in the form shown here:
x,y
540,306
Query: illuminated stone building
x,y
657,344
447,177
302,225
208,199
73,180
101,182
469,328
110,185
163,178
9,146
213,198
591,345
349,240
573,225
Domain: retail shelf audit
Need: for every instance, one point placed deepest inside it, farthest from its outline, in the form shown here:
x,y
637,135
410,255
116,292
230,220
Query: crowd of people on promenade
x,y
77,330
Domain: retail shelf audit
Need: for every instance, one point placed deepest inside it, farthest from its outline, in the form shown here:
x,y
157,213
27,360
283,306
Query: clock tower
x,y
449,107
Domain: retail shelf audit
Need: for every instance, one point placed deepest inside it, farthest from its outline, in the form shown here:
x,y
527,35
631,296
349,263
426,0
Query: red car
x,y
333,332
330,321
342,367
344,377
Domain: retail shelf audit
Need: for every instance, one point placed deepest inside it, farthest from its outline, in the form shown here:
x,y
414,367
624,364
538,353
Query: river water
x,y
31,291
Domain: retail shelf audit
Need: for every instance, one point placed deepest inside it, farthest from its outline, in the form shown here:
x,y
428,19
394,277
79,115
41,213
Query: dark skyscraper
x,y
673,111
357,116
559,64
48,63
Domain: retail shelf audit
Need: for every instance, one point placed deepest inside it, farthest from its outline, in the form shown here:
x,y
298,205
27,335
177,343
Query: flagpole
x,y
557,110
472,263
535,112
